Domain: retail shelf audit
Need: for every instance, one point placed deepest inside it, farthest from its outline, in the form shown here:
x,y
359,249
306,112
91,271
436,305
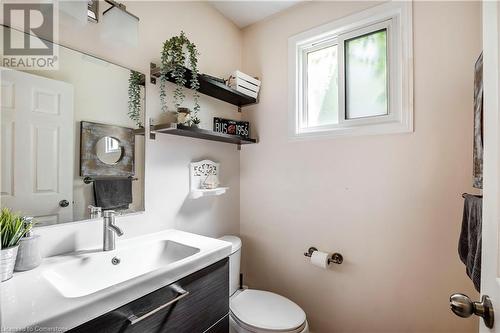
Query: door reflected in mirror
x,y
109,150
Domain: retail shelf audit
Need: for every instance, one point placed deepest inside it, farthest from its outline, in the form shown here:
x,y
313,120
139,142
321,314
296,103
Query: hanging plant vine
x,y
134,97
173,59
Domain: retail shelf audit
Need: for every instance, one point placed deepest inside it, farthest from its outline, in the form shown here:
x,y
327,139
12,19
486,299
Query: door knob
x,y
462,306
64,203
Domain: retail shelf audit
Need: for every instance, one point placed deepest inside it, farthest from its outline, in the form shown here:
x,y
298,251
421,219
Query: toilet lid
x,y
267,311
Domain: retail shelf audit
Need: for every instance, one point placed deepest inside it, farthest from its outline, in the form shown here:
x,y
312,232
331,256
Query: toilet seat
x,y
244,328
262,311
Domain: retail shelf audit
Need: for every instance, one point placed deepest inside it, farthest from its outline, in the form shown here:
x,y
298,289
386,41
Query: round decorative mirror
x,y
109,150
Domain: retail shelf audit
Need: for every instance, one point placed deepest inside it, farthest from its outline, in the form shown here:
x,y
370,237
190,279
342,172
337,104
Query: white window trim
x,y
396,17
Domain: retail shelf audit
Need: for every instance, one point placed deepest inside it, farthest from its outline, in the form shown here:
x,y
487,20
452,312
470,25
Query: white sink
x,y
68,290
90,272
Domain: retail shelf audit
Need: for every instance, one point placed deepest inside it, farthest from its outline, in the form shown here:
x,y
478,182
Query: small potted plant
x,y
178,55
12,228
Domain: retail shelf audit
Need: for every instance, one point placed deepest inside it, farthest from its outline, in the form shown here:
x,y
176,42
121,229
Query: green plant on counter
x,y
134,97
12,228
174,54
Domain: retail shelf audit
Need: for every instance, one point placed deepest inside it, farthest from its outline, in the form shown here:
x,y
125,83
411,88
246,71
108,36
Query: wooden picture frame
x,y
91,165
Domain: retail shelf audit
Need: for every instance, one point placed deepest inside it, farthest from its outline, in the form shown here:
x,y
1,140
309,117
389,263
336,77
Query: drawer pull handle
x,y
181,294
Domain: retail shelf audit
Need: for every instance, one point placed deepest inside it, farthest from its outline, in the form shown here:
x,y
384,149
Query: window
x,y
366,92
353,76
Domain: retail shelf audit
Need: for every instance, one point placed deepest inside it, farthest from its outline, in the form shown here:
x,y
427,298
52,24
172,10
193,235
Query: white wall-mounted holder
x,y
204,179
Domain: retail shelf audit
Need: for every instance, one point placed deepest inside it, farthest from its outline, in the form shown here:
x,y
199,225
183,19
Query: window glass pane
x,y
366,75
322,87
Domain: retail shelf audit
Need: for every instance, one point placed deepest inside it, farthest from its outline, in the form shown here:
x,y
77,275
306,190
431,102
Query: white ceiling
x,y
244,13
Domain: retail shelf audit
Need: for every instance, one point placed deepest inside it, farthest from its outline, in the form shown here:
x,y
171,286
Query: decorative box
x,y
244,83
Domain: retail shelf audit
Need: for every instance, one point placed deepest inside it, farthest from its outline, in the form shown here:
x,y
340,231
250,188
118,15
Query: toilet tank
x,y
234,263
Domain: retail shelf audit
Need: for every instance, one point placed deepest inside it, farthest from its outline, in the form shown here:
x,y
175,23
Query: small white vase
x,y
28,255
7,262
211,182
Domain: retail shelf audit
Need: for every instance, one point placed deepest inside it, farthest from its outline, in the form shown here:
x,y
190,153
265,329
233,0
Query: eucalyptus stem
x,y
173,58
134,97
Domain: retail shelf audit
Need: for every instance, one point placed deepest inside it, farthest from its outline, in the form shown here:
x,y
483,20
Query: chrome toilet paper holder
x,y
335,258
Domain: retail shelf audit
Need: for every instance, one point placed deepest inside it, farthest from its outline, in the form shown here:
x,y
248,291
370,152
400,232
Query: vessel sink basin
x,y
91,271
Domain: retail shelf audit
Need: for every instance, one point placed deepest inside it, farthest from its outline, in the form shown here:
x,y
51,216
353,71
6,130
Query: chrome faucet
x,y
109,230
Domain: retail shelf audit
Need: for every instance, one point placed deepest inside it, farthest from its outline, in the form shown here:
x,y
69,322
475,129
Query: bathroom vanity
x,y
170,281
196,303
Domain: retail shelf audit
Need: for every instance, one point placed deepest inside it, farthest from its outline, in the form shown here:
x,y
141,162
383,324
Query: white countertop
x,y
28,300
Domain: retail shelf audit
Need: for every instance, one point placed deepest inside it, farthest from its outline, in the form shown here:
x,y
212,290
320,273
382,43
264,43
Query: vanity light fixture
x,y
119,26
93,11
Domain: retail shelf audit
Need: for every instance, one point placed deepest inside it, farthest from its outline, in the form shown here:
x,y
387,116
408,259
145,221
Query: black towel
x,y
113,193
469,245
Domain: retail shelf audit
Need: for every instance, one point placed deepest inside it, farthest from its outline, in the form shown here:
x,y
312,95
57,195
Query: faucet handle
x,y
108,213
94,211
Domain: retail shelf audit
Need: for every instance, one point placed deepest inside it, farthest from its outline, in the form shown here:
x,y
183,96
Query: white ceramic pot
x,y
28,255
7,262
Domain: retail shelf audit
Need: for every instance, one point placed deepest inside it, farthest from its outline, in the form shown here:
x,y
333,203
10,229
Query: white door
x,y
36,146
490,263
489,305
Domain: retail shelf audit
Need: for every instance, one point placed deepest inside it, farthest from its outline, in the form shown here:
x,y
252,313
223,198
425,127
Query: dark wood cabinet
x,y
204,308
222,326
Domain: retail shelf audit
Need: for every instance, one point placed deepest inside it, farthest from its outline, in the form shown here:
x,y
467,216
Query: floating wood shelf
x,y
198,133
210,87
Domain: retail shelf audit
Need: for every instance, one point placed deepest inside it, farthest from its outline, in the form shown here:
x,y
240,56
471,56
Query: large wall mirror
x,y
72,138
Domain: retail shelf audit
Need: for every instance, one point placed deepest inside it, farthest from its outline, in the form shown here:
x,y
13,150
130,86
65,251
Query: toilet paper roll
x,y
319,259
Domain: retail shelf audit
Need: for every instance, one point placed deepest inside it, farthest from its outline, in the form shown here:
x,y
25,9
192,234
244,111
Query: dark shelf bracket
x,y
152,133
152,79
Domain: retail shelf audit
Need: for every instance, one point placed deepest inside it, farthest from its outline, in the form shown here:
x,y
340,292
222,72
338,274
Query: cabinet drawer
x,y
206,303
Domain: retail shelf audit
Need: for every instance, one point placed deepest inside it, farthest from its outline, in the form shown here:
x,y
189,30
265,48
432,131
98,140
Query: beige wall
x,y
390,204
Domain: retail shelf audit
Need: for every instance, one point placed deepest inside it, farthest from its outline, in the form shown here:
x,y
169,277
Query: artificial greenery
x,y
134,97
173,57
12,228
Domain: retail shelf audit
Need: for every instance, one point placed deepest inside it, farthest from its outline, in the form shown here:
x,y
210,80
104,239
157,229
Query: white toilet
x,y
257,311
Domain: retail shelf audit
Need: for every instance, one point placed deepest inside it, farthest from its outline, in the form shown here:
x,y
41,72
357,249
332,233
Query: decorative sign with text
x,y
233,127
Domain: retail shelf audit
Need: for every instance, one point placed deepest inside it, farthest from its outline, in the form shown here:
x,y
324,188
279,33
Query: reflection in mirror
x,y
41,113
109,150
